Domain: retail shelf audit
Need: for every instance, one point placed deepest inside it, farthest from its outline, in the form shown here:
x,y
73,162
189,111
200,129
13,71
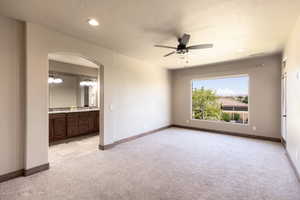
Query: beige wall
x,y
12,100
292,54
264,99
136,100
136,95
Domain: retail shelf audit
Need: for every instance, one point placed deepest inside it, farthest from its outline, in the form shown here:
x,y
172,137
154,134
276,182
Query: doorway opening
x,y
74,107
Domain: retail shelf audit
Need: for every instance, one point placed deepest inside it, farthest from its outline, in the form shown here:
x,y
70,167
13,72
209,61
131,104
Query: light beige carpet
x,y
172,164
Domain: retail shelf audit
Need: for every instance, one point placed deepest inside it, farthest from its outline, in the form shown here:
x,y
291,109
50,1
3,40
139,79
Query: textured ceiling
x,y
238,28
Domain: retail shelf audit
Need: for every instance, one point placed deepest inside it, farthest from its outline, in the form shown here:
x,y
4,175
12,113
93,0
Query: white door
x,y
283,102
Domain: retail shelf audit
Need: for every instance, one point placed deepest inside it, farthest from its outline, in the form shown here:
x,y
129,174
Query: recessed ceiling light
x,y
241,50
93,22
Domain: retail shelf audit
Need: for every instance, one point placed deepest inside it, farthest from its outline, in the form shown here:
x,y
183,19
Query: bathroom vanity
x,y
72,123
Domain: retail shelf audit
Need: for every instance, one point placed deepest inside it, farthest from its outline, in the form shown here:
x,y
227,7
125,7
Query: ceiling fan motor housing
x,y
181,49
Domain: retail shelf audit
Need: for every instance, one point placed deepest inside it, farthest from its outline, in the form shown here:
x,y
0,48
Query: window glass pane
x,y
221,99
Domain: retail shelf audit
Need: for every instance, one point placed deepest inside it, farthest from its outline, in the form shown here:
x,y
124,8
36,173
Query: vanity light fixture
x,y
88,83
52,80
93,22
58,80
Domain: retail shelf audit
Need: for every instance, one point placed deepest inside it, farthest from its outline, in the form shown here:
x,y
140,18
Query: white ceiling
x,y
132,27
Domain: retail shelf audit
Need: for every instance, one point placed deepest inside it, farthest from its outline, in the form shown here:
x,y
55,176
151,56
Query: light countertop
x,y
74,110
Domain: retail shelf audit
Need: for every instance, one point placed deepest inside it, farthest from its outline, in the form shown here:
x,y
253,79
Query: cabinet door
x,y
72,121
93,117
59,127
97,122
91,122
50,130
83,123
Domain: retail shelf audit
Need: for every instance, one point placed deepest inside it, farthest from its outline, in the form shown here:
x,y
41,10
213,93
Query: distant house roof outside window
x,y
228,103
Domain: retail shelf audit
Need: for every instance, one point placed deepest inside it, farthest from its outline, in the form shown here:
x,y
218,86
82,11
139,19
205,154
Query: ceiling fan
x,y
182,47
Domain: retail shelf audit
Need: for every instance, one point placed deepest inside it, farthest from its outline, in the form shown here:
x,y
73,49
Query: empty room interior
x,y
150,100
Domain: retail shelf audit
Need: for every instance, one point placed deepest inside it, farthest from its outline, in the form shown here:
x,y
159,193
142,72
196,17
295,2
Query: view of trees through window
x,y
221,99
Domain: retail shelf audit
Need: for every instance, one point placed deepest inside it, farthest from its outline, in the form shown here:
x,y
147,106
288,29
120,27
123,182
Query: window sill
x,y
219,122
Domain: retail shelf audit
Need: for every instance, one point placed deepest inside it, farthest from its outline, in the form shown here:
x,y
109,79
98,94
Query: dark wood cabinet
x,y
97,122
72,121
50,129
67,125
83,123
57,127
93,121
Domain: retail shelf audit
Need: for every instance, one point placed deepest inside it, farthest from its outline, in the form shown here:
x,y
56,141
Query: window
x,y
221,99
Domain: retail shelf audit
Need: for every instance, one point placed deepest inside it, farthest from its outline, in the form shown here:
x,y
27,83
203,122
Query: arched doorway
x,y
75,106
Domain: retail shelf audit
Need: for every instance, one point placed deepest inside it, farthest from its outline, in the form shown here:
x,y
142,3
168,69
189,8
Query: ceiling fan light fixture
x,y
182,47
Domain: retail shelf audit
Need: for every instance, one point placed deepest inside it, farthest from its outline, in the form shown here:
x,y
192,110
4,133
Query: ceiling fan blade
x,y
163,46
201,46
184,40
169,53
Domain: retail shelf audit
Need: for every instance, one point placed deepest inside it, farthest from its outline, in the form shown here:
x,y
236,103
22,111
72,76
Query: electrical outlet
x,y
254,128
187,121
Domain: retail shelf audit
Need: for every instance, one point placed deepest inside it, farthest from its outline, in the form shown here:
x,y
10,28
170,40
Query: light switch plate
x,y
111,107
